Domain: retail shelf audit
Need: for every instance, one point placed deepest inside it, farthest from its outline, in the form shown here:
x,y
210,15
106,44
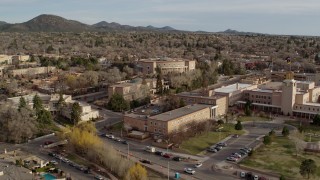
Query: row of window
x,y
313,109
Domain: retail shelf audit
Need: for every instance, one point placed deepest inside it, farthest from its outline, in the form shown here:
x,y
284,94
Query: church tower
x,y
289,89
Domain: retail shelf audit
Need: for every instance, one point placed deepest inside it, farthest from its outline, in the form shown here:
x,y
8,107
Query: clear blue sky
x,y
298,17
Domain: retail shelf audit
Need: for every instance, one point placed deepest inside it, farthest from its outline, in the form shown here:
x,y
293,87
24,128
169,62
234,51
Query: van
x,y
150,149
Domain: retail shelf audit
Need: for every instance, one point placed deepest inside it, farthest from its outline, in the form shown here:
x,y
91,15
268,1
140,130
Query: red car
x,y
166,156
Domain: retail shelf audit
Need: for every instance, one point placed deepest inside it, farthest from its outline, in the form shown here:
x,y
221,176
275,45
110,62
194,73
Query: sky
x,y
290,17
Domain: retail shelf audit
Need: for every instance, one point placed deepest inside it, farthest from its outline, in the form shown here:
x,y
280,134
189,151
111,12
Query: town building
x,y
50,103
206,97
234,92
134,89
32,71
13,59
279,76
171,121
167,65
289,97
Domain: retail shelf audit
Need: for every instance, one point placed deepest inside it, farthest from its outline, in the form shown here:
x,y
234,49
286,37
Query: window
x,y
151,122
155,130
155,123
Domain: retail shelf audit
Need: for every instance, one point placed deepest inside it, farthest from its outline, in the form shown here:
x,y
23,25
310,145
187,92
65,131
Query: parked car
x,y
117,139
189,170
145,161
244,150
54,162
199,164
233,159
110,136
166,155
236,155
159,153
256,177
150,149
243,153
51,154
98,177
223,144
218,148
235,135
124,142
212,150
177,158
242,174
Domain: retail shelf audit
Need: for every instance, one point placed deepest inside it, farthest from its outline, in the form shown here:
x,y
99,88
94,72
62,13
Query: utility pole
x,y
168,170
128,151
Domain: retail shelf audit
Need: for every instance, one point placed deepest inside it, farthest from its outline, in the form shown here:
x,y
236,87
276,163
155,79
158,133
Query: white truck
x,y
150,149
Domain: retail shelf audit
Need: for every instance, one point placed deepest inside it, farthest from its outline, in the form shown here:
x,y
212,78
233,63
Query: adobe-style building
x,y
234,92
167,65
290,97
134,89
279,76
32,71
50,103
206,97
175,120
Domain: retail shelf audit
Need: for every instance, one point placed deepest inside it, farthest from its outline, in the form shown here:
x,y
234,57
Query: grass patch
x,y
117,127
199,143
77,160
280,157
252,118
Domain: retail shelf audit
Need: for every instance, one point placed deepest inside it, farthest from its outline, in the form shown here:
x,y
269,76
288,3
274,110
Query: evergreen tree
x,y
118,103
159,85
22,103
37,103
76,113
238,126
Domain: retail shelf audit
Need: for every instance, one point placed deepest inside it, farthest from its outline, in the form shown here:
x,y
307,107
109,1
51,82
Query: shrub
x,y
238,126
267,140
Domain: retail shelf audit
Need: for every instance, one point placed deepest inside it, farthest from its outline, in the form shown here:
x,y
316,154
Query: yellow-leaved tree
x,y
136,172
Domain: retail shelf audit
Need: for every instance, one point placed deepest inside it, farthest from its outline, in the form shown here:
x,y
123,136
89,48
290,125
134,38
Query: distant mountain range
x,y
235,32
52,23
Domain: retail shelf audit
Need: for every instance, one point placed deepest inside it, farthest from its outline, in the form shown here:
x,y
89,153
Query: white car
x,y
110,136
256,177
189,170
242,174
198,165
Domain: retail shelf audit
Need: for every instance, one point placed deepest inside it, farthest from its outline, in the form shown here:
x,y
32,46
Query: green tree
x,y
238,126
37,103
159,85
118,103
308,167
267,140
22,103
316,120
247,108
285,131
76,113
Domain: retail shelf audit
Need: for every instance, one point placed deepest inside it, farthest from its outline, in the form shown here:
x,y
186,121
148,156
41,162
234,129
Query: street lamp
x,y
128,151
168,170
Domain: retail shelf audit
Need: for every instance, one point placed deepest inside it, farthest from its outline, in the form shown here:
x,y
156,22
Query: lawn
x,y
252,118
200,143
308,129
280,157
74,158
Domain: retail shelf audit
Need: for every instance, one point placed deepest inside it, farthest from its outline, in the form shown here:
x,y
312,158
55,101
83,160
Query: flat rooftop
x,y
170,115
263,90
164,59
232,87
199,95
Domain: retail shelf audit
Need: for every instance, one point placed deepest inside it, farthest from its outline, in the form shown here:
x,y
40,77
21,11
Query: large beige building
x,y
290,97
206,97
168,122
134,89
234,92
148,66
13,59
50,103
279,76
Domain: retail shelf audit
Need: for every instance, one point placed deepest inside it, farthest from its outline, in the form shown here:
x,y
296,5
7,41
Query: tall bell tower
x,y
289,89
